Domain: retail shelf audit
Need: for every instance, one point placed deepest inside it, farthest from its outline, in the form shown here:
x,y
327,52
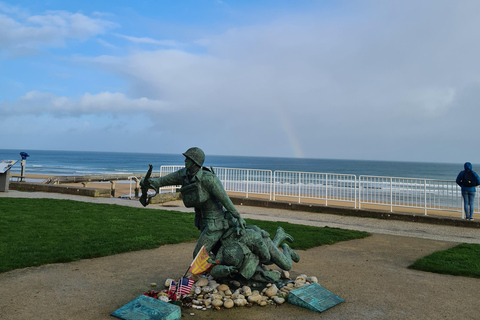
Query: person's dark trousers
x,y
468,203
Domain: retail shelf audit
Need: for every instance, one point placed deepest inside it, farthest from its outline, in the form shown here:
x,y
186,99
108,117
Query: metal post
x,y
274,183
425,195
326,189
391,194
299,185
246,189
359,192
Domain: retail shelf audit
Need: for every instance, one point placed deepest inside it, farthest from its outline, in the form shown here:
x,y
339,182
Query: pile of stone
x,y
206,293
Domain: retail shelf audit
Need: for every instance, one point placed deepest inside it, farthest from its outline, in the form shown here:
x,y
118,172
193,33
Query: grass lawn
x,y
461,260
34,232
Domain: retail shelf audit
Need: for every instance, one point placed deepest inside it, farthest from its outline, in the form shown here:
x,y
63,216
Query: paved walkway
x,y
371,274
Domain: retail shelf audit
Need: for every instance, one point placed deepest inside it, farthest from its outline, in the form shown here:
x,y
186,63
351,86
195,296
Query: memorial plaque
x,y
314,297
6,165
147,308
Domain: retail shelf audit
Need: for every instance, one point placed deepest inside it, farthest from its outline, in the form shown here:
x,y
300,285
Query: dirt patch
x,y
371,274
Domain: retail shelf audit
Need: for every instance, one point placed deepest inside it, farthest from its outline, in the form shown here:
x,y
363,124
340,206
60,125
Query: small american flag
x,y
185,285
172,291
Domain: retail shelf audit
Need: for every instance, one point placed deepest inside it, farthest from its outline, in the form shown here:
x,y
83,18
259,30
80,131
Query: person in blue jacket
x,y
465,181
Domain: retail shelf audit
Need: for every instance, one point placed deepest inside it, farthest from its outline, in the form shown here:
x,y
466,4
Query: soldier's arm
x,y
172,179
217,190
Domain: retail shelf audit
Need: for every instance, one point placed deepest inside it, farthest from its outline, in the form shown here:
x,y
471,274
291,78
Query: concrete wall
x,y
40,187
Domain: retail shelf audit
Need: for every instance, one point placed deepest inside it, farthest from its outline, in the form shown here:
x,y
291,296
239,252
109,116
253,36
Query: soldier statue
x,y
202,190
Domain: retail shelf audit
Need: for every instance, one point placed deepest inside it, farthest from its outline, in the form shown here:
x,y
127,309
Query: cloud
x,y
104,103
351,76
143,40
370,79
24,34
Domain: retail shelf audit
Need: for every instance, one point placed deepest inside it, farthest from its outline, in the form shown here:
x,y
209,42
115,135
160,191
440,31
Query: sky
x,y
332,79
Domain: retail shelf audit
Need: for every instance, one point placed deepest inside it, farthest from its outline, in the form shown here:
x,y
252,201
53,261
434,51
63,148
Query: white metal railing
x,y
312,185
390,192
441,195
248,181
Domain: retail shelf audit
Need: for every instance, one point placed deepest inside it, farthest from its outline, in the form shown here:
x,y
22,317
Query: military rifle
x,y
144,198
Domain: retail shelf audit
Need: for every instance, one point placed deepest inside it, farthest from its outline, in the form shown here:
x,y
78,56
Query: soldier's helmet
x,y
196,155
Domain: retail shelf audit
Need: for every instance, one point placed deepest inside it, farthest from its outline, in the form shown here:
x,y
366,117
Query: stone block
x,y
314,297
147,308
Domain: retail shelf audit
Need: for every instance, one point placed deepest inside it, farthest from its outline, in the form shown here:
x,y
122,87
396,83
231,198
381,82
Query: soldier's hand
x,y
242,225
232,270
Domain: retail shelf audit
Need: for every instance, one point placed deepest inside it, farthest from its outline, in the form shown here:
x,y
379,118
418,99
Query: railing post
x,y
360,192
274,183
326,189
355,191
271,184
246,189
391,194
299,185
425,195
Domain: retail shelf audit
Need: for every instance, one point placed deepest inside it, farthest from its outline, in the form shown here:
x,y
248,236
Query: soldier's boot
x,y
289,251
281,236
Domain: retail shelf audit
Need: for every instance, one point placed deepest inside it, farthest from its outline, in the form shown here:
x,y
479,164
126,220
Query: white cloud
x,y
104,103
23,34
168,43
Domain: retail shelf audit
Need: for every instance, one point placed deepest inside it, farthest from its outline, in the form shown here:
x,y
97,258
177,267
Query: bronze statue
x,y
236,250
243,254
202,190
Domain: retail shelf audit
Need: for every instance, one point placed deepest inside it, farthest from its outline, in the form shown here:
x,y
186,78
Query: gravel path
x,y
370,274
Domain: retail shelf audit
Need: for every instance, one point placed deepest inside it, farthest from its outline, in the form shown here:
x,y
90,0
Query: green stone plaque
x,y
147,308
314,297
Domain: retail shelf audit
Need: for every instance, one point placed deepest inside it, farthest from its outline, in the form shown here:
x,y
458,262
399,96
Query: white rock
x,y
228,292
285,274
163,298
168,282
301,278
240,302
223,287
207,289
255,298
217,297
207,302
263,303
312,279
198,290
272,291
278,300
217,303
202,282
246,291
228,303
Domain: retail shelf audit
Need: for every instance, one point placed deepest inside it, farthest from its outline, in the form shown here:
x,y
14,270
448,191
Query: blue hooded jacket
x,y
468,167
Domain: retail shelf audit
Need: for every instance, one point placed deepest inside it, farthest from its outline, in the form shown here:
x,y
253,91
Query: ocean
x,y
48,162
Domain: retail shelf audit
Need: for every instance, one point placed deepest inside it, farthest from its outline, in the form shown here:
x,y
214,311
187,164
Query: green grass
x,y
461,260
35,232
